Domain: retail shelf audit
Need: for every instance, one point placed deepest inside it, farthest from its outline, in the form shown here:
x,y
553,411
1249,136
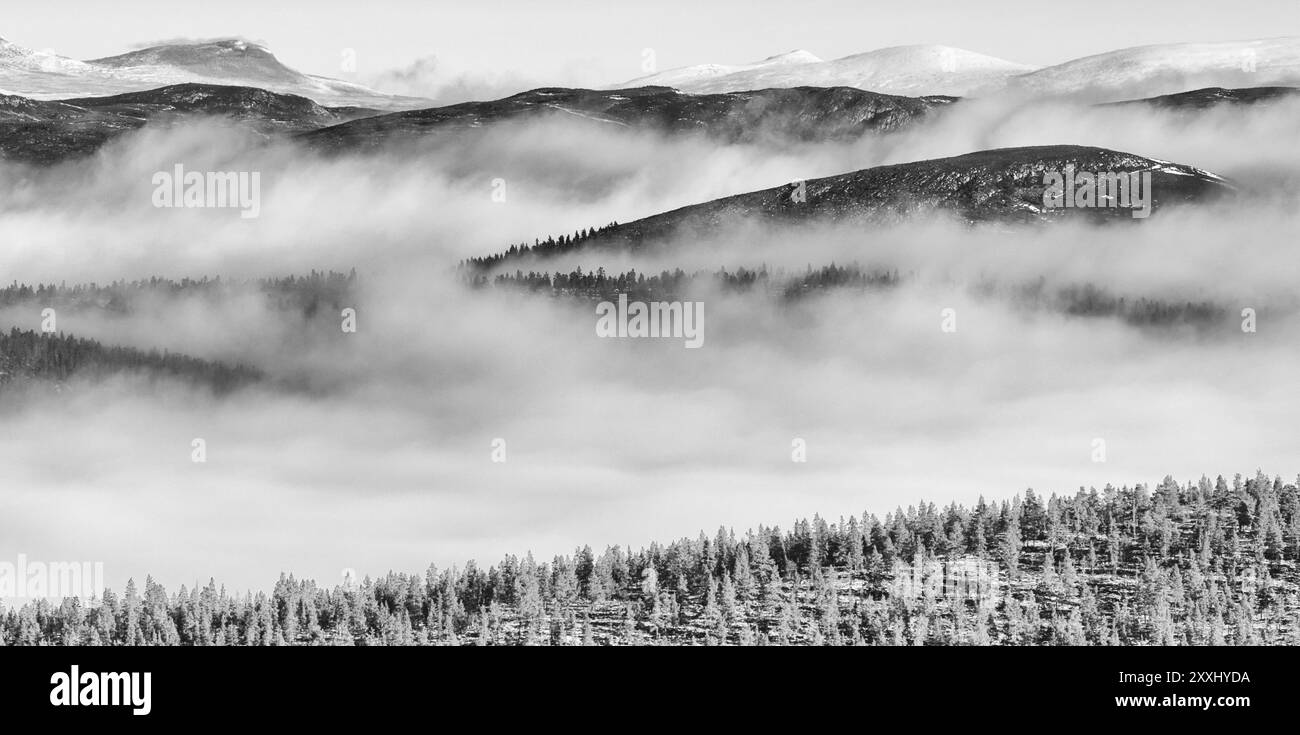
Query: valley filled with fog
x,y
373,450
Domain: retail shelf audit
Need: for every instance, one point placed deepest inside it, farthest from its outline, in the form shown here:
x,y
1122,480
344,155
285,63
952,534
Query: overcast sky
x,y
591,41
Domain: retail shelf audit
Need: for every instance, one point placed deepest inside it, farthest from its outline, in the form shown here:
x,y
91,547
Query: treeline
x,y
1088,300
30,355
1206,563
306,294
1085,300
540,248
668,285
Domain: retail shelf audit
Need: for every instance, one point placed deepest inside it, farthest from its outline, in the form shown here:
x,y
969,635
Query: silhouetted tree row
x,y
30,355
540,248
1088,300
1206,563
666,285
305,294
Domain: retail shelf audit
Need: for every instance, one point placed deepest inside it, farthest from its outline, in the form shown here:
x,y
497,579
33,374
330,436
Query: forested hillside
x,y
29,355
1206,563
677,283
26,355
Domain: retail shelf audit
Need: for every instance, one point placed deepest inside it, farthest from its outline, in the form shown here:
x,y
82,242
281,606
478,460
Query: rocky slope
x,y
996,185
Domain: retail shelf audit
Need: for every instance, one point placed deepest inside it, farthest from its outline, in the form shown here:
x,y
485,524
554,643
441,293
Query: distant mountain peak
x,y
231,61
797,56
231,57
192,48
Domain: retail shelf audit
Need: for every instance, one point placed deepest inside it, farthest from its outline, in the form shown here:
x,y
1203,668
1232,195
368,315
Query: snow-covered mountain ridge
x,y
1143,71
232,62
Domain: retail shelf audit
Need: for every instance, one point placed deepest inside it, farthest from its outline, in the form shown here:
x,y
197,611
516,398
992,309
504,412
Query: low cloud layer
x,y
433,78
